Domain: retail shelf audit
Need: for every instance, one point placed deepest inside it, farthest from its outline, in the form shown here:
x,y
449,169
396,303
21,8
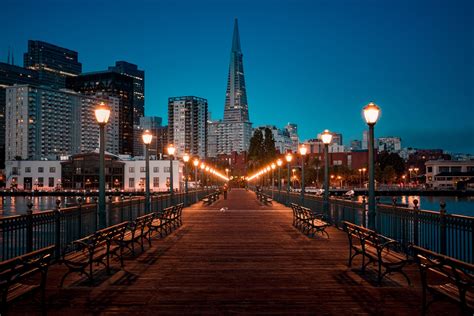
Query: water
x,y
454,205
17,205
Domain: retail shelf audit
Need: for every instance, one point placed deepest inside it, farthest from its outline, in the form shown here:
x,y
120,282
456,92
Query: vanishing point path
x,y
248,259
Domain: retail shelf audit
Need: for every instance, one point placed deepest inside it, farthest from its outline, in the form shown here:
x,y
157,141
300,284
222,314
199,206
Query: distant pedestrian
x,y
225,191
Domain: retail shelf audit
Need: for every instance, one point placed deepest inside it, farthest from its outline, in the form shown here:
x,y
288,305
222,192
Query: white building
x,y
45,123
33,174
447,173
134,175
292,129
228,137
389,144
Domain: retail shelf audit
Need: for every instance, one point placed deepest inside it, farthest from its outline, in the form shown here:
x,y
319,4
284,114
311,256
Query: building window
x,y
27,169
455,169
166,169
131,169
40,181
142,169
15,170
51,182
40,169
443,169
131,183
52,169
156,182
156,169
429,169
78,170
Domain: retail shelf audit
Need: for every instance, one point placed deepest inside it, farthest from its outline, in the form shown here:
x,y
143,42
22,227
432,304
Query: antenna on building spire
x,y
13,57
8,58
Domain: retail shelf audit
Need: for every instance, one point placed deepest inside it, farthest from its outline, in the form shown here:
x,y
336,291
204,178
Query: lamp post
x,y
171,151
288,158
279,163
102,114
202,174
371,114
186,159
196,164
273,166
303,150
326,137
147,138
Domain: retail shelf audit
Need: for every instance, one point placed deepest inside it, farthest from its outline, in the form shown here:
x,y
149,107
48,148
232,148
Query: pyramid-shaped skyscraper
x,y
234,132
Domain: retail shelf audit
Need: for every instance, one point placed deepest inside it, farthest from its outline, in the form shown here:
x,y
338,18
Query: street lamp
x,y
288,158
326,137
279,163
303,151
147,138
196,164
371,115
102,114
273,166
186,159
171,150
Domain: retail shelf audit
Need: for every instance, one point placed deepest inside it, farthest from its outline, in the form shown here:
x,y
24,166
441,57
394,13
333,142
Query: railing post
x,y
416,228
364,217
79,217
377,215
121,208
29,227
109,214
57,218
442,227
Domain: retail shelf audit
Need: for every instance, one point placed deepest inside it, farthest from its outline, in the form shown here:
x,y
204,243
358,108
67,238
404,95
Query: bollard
x,y
442,227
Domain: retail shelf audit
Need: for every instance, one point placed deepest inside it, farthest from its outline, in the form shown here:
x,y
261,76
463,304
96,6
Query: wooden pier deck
x,y
248,259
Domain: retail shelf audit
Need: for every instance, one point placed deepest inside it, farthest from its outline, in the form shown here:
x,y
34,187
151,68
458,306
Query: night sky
x,y
315,63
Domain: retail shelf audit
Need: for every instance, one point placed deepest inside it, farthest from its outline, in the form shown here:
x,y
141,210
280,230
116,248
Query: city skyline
x,y
412,70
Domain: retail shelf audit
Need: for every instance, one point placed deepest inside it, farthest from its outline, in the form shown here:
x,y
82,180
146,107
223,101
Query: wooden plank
x,y
246,259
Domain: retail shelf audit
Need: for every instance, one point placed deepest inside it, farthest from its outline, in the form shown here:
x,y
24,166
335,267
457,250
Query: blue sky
x,y
315,63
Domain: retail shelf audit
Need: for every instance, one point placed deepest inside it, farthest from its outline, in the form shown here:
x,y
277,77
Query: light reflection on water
x,y
17,205
454,204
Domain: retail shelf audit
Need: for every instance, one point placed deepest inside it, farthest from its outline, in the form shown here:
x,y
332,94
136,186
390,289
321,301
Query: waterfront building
x,y
159,175
212,137
9,76
356,144
33,175
106,84
233,133
46,123
187,125
389,144
53,63
448,174
138,76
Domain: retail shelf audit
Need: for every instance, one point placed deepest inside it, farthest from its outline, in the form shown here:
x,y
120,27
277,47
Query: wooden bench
x,y
171,217
445,278
378,249
211,198
136,233
81,255
265,199
18,276
308,222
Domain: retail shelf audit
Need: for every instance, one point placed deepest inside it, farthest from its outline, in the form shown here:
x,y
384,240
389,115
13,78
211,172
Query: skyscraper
x,y
234,132
187,125
138,76
53,63
105,84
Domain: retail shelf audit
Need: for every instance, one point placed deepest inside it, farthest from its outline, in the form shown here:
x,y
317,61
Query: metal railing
x,y
448,234
25,233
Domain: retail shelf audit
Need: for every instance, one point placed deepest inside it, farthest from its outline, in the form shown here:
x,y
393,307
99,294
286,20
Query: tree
x,y
269,149
385,159
388,174
256,149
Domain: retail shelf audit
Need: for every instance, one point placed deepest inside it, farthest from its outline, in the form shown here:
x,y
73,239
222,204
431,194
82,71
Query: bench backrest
x,y
444,268
18,268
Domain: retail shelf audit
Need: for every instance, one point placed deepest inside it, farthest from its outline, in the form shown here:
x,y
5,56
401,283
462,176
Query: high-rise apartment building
x,y
187,125
106,84
138,76
10,75
292,129
53,63
390,144
154,125
46,123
